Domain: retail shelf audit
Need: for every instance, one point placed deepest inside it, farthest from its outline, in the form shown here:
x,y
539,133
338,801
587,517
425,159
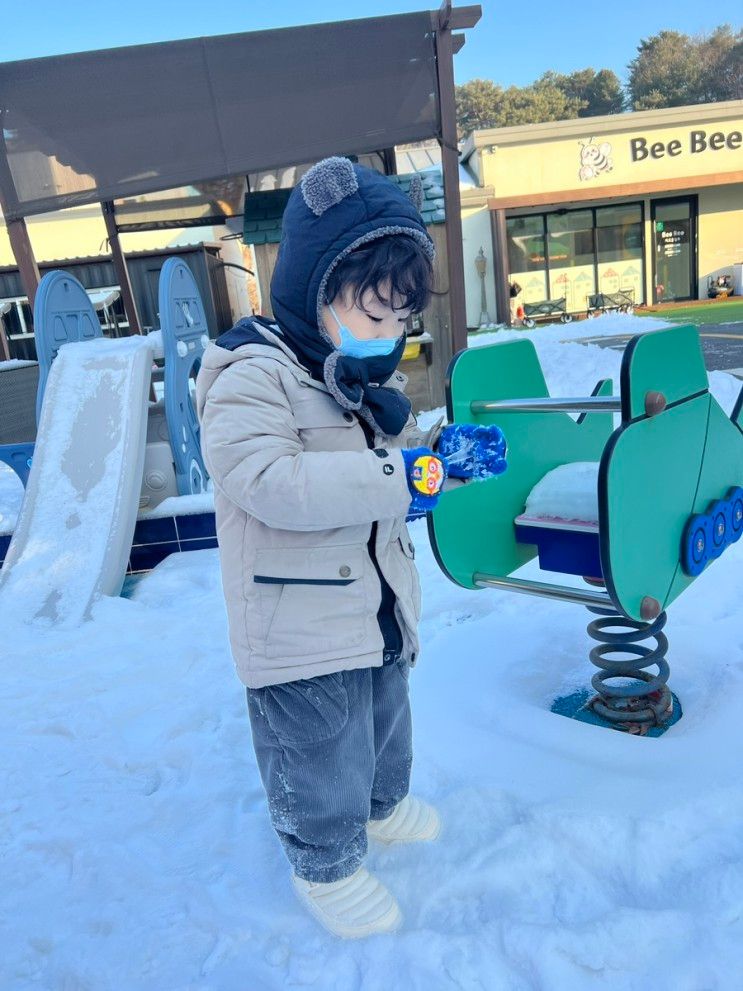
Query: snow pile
x,y
186,505
606,325
568,492
137,852
11,497
15,363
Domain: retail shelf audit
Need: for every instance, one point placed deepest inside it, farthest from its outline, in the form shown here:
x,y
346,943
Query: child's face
x,y
376,319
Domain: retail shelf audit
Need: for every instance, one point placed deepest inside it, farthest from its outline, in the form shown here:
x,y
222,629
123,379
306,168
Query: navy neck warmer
x,y
355,383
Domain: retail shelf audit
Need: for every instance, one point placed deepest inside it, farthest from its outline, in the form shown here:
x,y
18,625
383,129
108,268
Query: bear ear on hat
x,y
327,183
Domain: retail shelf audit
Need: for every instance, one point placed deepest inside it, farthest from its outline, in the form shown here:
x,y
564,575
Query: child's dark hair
x,y
394,257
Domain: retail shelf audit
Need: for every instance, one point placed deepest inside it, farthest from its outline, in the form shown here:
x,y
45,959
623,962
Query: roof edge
x,y
666,116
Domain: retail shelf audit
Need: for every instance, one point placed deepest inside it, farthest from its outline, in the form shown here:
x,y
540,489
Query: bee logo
x,y
594,159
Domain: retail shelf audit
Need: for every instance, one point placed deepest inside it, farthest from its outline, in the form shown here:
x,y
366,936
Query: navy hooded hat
x,y
337,207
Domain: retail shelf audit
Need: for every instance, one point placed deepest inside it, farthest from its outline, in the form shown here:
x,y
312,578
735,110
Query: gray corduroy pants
x,y
333,752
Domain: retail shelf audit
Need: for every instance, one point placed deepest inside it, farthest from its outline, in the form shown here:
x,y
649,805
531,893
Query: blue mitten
x,y
473,450
425,473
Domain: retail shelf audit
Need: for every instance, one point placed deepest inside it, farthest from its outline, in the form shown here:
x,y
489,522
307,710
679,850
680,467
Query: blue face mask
x,y
356,348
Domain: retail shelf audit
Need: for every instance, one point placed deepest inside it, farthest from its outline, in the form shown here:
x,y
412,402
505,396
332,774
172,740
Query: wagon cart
x,y
546,309
610,302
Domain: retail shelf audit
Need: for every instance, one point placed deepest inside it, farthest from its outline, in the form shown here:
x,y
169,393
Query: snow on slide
x,y
74,532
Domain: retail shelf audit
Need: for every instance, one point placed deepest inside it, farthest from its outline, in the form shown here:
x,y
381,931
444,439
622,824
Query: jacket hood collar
x,y
337,207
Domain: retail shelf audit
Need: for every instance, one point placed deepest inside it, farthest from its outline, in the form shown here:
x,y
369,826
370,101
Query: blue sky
x,y
512,44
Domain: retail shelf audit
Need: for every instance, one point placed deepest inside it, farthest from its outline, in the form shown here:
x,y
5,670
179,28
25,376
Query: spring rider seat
x,y
668,501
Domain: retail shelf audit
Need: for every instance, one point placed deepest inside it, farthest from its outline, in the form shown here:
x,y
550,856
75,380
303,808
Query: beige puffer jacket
x,y
296,490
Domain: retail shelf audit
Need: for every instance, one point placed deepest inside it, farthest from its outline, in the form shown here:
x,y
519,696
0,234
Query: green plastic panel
x,y
656,471
668,361
472,528
647,485
722,468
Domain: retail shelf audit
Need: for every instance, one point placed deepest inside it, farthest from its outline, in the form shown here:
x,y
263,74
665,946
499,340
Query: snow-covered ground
x,y
137,852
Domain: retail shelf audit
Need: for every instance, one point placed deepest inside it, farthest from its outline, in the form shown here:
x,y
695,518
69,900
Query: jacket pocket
x,y
315,599
324,426
308,711
322,412
408,550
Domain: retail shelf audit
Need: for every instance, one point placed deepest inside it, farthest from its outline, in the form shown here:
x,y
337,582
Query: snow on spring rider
x,y
668,482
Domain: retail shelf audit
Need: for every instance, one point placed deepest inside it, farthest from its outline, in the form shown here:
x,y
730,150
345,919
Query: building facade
x,y
648,203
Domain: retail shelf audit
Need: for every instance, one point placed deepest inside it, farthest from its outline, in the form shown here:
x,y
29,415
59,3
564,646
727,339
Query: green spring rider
x,y
669,502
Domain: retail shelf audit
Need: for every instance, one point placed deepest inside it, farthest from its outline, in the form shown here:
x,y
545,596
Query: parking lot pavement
x,y
722,345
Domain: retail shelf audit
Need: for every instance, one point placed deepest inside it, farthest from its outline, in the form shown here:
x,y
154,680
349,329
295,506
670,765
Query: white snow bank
x,y
187,505
11,497
137,852
606,325
15,363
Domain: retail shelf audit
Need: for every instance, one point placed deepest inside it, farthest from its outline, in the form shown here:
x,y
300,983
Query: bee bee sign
x,y
696,142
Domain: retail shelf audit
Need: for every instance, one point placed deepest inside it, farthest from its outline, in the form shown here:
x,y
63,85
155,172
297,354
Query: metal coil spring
x,y
650,702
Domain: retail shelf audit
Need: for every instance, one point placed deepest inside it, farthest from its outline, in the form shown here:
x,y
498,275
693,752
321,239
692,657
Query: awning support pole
x,y
4,346
20,242
450,168
120,267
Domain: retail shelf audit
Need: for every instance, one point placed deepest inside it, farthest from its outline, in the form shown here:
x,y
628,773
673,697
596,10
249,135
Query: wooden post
x,y
122,273
4,345
20,242
450,168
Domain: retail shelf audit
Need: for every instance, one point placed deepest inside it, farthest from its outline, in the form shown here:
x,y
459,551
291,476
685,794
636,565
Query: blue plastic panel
x,y
18,457
63,314
567,551
185,334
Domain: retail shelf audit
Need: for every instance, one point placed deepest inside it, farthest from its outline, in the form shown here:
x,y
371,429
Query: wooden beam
x,y
464,17
390,161
4,345
450,168
628,189
457,42
20,242
23,251
122,272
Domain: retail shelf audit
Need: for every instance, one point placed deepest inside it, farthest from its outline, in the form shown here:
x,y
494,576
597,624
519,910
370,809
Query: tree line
x,y
670,69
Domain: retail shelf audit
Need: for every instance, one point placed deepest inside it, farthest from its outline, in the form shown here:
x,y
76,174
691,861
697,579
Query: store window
x,y
576,253
526,256
619,250
570,254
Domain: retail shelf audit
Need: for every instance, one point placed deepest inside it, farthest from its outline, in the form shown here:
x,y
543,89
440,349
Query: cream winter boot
x,y
411,820
353,907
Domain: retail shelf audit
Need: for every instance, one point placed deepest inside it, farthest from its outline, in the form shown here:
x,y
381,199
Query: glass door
x,y
674,254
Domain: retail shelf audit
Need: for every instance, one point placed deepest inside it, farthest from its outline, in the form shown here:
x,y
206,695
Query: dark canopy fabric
x,y
125,121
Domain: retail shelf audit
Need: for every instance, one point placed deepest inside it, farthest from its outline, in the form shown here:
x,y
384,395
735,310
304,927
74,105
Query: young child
x,y
316,461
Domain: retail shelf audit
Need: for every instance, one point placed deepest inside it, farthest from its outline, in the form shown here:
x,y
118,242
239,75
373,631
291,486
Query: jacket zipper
x,y
388,625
